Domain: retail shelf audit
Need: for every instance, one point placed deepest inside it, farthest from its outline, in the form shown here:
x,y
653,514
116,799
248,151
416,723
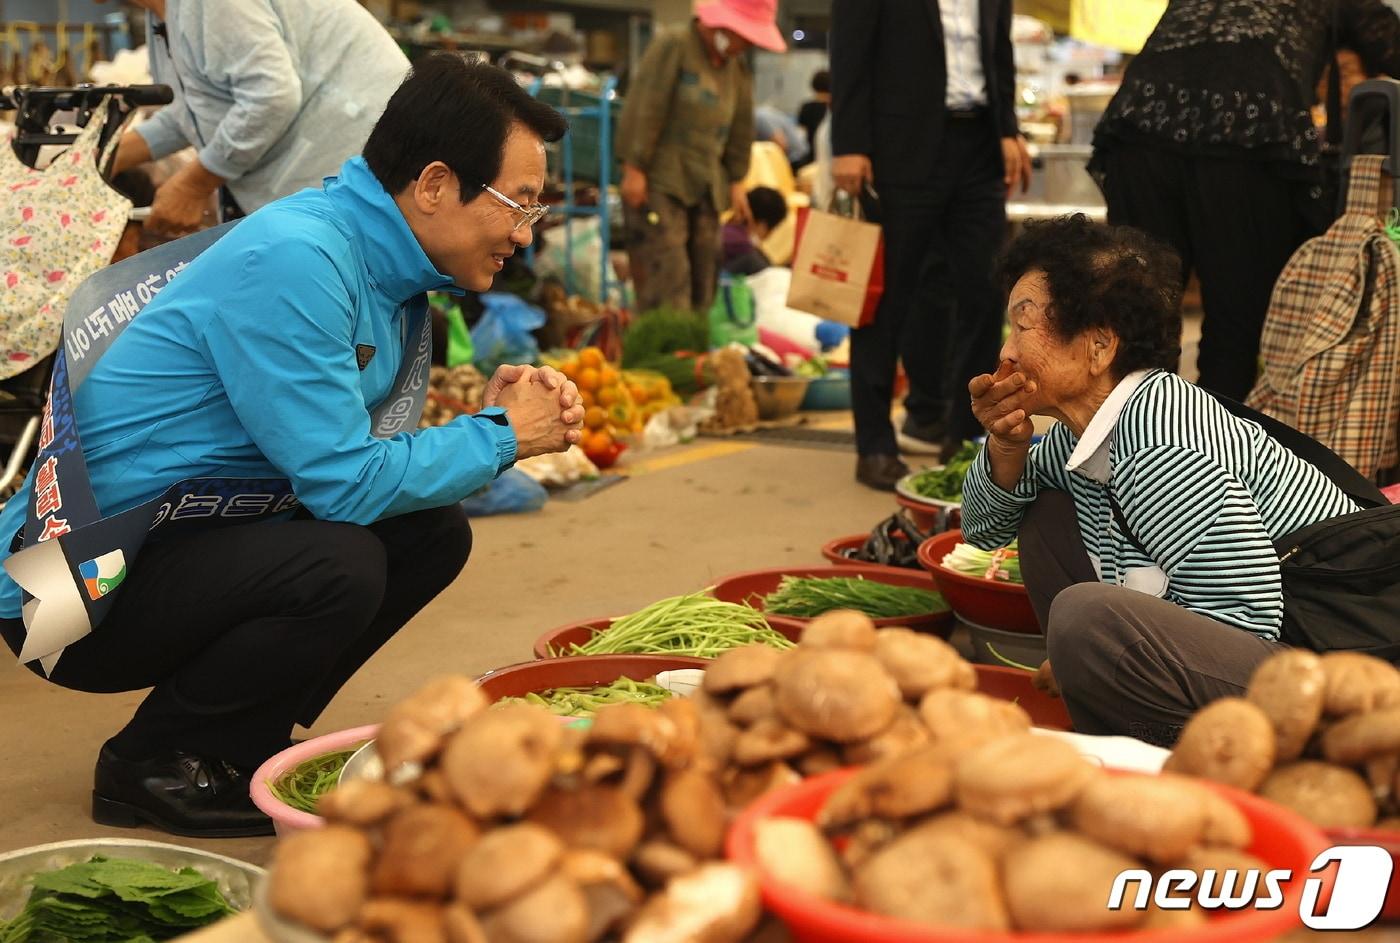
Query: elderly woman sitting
x,y
1147,514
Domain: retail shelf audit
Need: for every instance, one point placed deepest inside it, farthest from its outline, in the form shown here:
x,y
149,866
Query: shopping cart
x,y
45,118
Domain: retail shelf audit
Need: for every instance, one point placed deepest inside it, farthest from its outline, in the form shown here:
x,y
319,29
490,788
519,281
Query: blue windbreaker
x,y
245,366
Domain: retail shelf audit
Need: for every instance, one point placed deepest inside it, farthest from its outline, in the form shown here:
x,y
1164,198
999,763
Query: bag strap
x,y
1364,184
1122,522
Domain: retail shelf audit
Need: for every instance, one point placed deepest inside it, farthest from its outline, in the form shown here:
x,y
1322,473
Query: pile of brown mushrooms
x,y
503,826
964,818
1319,734
454,390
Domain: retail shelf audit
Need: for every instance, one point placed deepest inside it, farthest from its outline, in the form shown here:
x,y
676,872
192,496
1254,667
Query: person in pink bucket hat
x,y
684,137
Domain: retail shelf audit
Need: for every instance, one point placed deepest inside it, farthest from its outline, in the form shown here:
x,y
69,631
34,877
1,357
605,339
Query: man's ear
x,y
433,187
1103,350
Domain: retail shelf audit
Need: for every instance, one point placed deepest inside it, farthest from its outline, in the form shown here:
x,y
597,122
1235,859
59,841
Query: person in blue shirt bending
x,y
267,358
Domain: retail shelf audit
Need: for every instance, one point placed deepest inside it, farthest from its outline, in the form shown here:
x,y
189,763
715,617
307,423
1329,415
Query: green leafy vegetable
x,y
946,483
697,625
1003,565
582,702
810,597
115,900
815,368
300,786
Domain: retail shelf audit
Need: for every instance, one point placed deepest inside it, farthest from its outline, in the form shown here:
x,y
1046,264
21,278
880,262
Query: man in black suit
x,y
923,110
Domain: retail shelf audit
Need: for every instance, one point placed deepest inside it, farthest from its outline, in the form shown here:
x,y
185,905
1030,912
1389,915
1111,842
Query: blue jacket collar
x,y
396,262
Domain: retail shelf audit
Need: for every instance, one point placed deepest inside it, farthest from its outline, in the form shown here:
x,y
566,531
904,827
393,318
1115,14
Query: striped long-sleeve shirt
x,y
1204,492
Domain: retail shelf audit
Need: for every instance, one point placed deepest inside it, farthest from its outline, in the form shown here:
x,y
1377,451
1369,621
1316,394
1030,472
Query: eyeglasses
x,y
527,215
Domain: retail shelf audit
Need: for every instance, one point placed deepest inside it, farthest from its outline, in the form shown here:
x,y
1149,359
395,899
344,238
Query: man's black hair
x,y
767,206
457,112
821,81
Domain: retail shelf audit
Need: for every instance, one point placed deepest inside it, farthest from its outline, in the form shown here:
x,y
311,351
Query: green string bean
x,y
697,625
583,702
810,597
300,786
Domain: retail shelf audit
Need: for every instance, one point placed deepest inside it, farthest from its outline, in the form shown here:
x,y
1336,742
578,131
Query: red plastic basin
x,y
832,549
929,516
577,671
1012,684
576,633
749,588
1390,841
993,603
1282,839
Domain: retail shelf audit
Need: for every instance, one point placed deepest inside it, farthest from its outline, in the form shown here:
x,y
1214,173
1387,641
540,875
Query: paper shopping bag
x,y
838,268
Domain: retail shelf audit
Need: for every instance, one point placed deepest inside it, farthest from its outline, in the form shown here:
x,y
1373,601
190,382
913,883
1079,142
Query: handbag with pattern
x,y
1331,341
57,226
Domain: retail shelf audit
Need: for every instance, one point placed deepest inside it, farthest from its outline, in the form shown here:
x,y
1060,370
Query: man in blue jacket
x,y
267,358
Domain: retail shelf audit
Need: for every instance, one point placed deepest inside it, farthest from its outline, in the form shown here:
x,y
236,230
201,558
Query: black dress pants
x,y
941,313
243,632
1235,222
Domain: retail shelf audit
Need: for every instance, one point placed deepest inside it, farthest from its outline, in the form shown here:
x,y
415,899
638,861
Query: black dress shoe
x,y
880,471
178,792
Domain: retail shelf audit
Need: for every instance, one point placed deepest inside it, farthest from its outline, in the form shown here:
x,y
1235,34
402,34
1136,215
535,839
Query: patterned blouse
x,y
1223,77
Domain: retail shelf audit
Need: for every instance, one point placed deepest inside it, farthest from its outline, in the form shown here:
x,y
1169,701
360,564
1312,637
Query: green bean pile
x,y
810,597
582,702
697,625
300,786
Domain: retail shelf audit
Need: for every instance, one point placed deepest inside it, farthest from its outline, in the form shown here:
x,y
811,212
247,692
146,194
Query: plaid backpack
x,y
1331,341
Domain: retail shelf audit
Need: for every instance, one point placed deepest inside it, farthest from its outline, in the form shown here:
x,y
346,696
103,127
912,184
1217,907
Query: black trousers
x,y
941,312
1234,222
245,631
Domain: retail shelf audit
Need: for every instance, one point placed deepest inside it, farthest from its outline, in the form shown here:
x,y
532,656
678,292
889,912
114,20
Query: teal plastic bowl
x,y
832,391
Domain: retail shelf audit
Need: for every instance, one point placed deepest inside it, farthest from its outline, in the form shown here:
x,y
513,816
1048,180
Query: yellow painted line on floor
x,y
687,456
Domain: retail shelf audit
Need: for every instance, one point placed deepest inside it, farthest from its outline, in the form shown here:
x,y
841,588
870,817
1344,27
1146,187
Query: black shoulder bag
x,y
1341,576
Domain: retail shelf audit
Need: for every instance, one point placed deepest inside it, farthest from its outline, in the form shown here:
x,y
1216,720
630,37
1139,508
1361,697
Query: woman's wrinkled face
x,y
1060,369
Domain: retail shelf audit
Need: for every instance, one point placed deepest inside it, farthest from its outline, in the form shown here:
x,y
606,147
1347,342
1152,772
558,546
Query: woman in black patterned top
x,y
1210,145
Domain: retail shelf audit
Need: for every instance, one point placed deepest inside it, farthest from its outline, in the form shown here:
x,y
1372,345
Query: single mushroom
x,y
1289,688
1360,737
715,903
950,712
609,891
795,852
921,663
498,764
1060,883
432,785
1155,817
320,878
685,717
753,705
835,694
1357,682
504,863
403,920
743,785
769,740
1018,775
1326,795
1229,741
363,802
842,628
740,668
598,817
1225,825
996,840
867,837
657,861
420,850
693,808
915,783
554,911
1382,772
414,730
716,736
933,879
632,725
906,733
